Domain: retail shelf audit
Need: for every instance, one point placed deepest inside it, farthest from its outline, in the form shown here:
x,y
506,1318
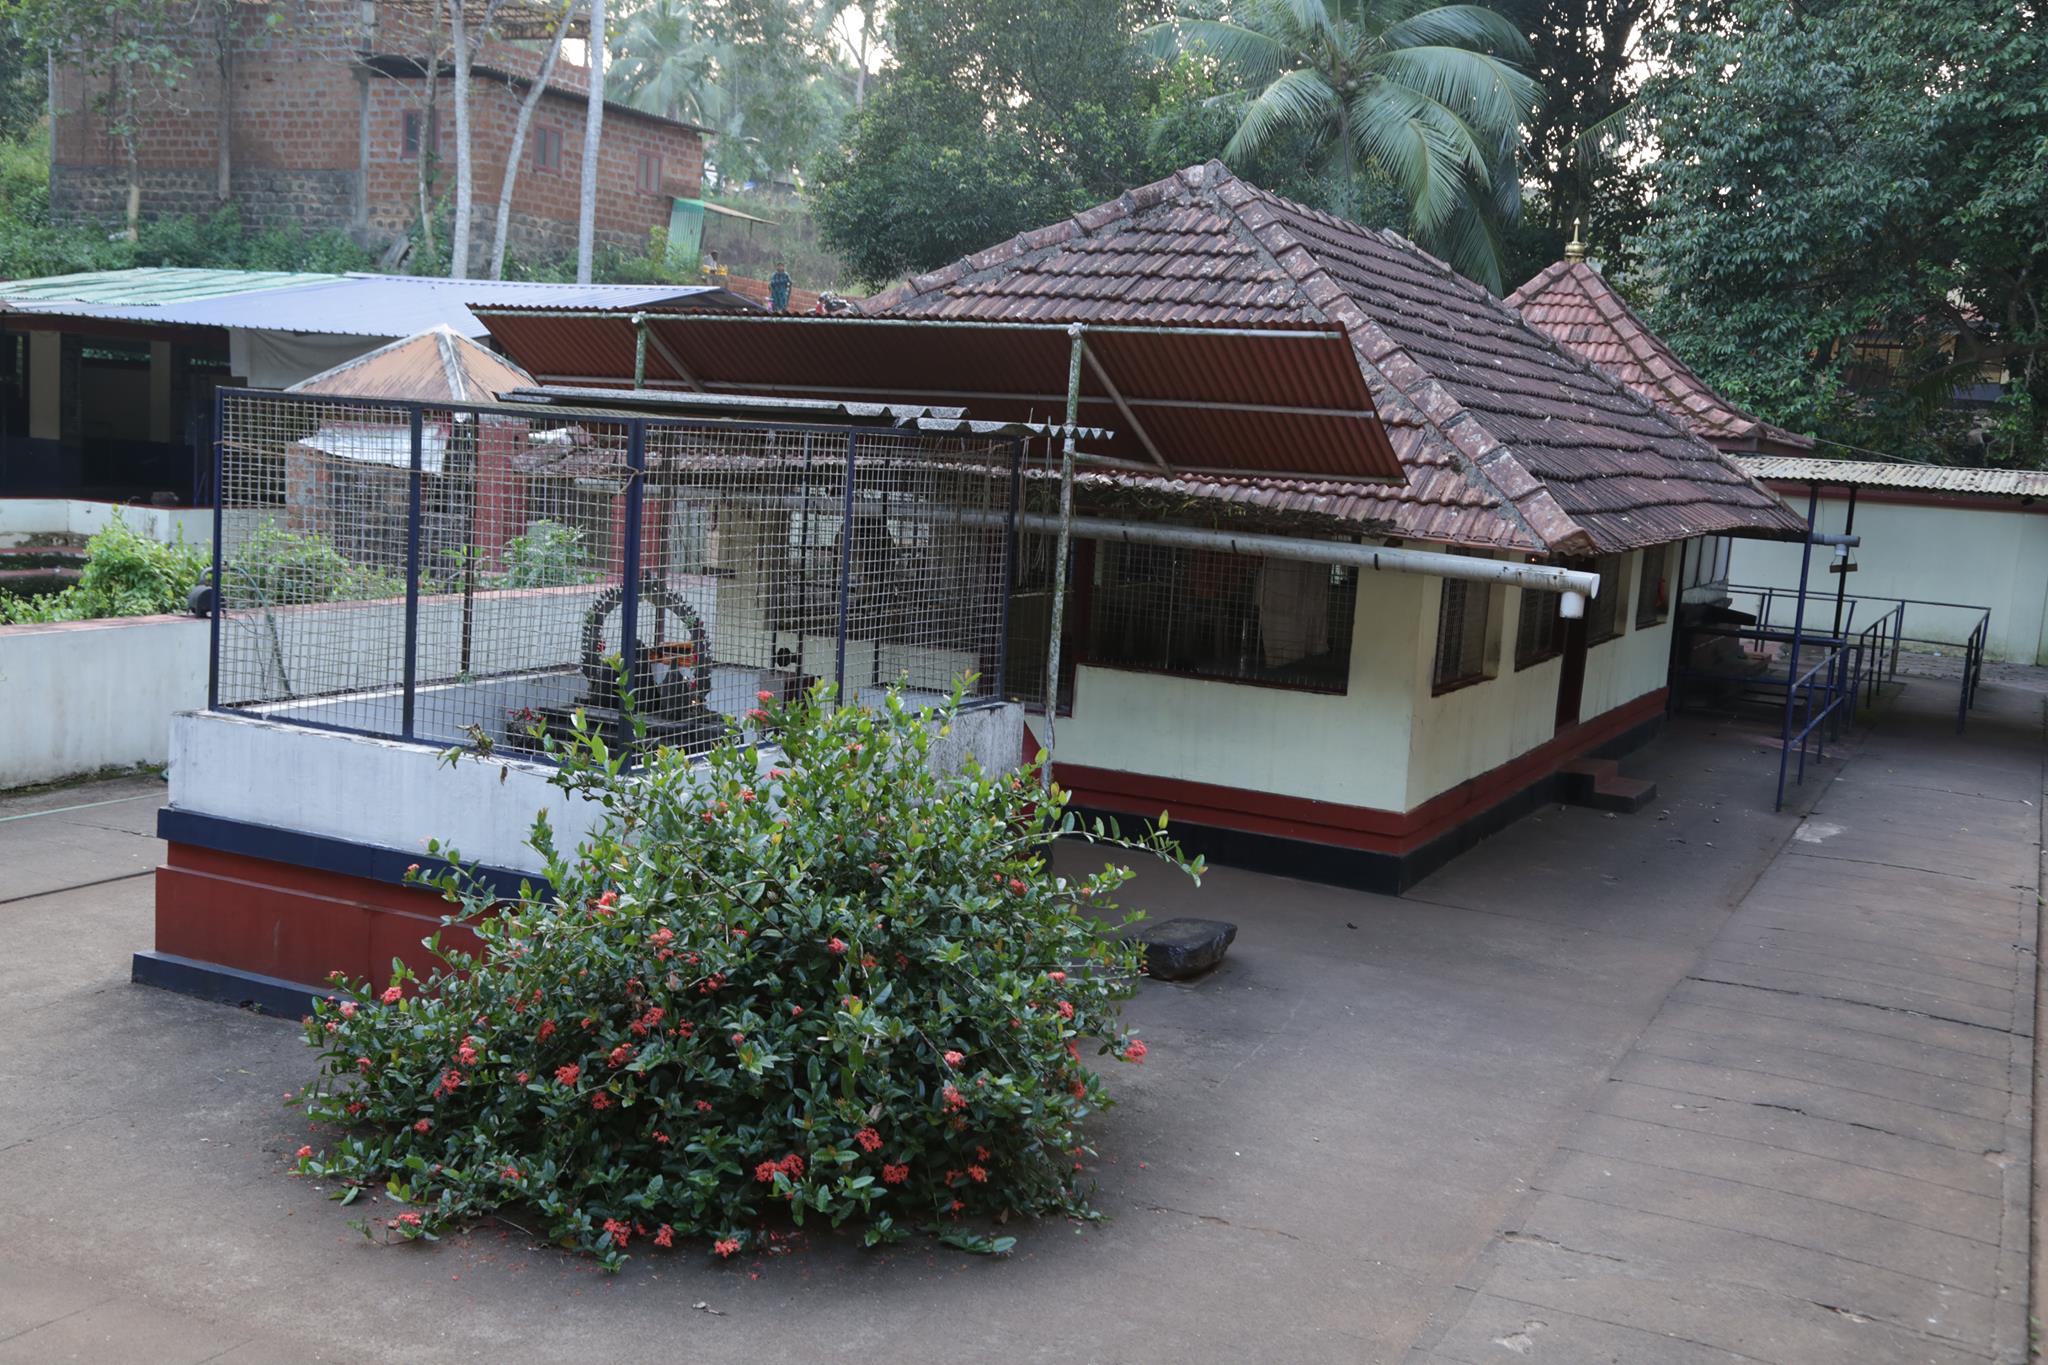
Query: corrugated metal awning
x,y
1920,478
1289,402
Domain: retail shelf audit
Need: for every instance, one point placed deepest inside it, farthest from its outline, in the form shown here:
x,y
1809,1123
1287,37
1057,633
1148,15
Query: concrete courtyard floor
x,y
1708,1082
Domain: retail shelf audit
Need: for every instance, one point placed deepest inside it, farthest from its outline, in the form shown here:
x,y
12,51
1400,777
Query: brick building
x,y
326,112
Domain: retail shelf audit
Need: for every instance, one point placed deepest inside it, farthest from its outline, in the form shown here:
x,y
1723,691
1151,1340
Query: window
x,y
1653,590
1539,634
1464,622
419,131
1207,614
1606,612
650,172
547,149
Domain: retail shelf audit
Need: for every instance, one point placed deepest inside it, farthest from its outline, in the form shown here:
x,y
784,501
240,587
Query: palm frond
x,y
1480,88
1598,139
1424,149
1471,243
1465,26
1249,55
1296,99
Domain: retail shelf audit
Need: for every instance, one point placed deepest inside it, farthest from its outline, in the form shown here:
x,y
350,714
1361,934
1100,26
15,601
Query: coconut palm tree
x,y
1425,95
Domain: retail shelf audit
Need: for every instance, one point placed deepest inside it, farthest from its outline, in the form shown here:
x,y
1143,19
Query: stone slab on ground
x,y
1180,948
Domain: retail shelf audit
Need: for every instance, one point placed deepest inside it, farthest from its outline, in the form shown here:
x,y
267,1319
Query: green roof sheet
x,y
146,285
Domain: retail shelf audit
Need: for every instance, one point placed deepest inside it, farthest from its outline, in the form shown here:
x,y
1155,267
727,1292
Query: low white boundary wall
x,y
79,696
389,794
80,517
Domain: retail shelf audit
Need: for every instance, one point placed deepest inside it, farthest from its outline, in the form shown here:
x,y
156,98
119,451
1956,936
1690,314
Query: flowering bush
x,y
819,979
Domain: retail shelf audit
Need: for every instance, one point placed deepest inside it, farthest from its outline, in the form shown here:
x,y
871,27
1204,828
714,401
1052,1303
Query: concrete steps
x,y
1597,783
41,563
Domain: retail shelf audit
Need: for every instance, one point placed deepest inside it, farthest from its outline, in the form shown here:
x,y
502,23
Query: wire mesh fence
x,y
470,574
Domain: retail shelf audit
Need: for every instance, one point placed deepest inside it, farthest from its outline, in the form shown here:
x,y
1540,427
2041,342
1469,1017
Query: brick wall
x,y
299,157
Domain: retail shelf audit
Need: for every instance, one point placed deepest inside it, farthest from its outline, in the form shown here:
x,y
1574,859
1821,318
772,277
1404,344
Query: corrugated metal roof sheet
x,y
1576,306
1287,402
439,365
1507,439
152,286
346,305
1926,478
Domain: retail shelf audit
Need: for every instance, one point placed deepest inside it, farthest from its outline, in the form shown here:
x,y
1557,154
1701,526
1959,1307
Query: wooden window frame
x,y
1653,588
1487,667
1527,656
418,130
649,184
546,136
1607,614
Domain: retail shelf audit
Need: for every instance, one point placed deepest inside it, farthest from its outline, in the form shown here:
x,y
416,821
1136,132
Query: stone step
x,y
1598,783
1622,795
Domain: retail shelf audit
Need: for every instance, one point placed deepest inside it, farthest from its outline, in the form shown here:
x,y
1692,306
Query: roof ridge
x,y
1644,344
1522,499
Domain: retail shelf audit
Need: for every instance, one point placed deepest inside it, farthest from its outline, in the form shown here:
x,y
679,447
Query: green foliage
x,y
761,74
1851,170
276,566
1591,58
546,554
814,980
1427,99
989,122
126,574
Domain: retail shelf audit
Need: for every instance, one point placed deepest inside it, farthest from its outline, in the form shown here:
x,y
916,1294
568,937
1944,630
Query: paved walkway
x,y
1602,1089
1818,1150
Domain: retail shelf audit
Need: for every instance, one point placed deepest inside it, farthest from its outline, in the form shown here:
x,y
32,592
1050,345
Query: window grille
x,y
1539,631
1191,613
456,574
1653,593
1461,630
650,173
547,148
1210,614
1604,613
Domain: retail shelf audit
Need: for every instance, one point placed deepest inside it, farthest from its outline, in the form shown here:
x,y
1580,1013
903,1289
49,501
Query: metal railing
x,y
445,574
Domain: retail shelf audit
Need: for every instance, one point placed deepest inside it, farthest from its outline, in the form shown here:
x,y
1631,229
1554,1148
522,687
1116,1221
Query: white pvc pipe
x,y
1576,585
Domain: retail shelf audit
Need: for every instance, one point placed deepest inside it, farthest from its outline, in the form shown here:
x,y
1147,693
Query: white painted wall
x,y
1994,555
82,517
1386,743
393,795
1350,748
76,697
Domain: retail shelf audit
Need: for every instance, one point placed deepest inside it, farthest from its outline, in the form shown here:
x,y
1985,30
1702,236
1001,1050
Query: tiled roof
x,y
1576,306
440,365
1919,478
1508,441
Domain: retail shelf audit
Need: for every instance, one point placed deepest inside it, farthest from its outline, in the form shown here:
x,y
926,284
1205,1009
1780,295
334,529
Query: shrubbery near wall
x,y
125,574
819,981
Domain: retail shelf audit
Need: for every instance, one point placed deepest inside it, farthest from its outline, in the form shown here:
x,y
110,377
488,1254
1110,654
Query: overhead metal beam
x,y
1124,408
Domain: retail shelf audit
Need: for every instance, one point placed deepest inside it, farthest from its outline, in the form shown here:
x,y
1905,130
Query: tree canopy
x,y
1424,97
1850,187
993,118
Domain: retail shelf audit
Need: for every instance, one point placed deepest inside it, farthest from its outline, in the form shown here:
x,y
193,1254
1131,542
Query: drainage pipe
x,y
1576,585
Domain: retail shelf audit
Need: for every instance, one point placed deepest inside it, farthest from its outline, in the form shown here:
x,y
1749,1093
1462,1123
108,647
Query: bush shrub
x,y
125,574
820,978
546,554
275,566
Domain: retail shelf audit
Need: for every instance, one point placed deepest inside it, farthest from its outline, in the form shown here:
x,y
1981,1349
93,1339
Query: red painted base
x,y
280,920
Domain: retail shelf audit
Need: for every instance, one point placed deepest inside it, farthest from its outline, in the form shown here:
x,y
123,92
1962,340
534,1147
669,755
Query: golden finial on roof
x,y
1575,250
